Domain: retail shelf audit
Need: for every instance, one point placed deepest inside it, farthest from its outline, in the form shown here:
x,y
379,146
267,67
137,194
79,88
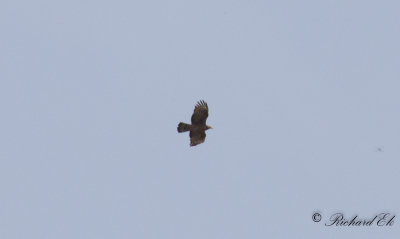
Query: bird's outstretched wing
x,y
200,113
197,137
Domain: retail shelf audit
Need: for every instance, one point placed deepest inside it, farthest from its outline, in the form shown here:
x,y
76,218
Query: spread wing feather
x,y
200,113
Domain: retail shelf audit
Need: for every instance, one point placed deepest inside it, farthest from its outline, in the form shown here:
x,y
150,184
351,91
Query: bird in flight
x,y
198,127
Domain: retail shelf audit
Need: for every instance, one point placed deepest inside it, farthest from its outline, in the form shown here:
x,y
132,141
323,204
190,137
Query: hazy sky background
x,y
301,96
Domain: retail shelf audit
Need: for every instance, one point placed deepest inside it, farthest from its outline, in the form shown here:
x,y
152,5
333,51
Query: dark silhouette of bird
x,y
198,127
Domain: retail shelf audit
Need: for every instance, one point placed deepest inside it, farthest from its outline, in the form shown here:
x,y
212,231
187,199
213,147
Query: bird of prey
x,y
198,127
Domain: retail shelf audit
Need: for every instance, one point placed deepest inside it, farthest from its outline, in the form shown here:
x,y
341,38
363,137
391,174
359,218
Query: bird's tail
x,y
182,127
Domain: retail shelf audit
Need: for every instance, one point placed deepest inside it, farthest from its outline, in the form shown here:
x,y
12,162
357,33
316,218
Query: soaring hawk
x,y
198,127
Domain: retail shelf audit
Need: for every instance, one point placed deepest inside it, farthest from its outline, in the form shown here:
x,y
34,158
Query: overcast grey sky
x,y
301,96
